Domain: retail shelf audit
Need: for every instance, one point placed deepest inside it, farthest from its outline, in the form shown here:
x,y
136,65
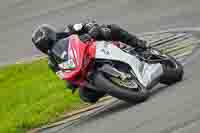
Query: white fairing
x,y
145,72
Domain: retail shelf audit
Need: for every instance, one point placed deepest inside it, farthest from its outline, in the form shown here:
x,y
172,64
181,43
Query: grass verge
x,y
31,95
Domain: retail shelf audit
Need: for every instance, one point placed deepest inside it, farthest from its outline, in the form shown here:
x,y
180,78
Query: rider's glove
x,y
89,25
85,37
94,32
100,31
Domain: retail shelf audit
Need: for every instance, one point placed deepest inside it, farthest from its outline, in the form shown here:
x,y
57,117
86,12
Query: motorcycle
x,y
114,68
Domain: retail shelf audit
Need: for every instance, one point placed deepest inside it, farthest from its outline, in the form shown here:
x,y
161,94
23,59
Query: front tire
x,y
114,90
90,96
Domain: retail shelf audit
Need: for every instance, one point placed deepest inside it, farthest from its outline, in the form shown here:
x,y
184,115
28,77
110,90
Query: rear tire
x,y
122,93
173,72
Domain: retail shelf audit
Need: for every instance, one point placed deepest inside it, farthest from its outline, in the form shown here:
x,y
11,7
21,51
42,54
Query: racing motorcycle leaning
x,y
115,69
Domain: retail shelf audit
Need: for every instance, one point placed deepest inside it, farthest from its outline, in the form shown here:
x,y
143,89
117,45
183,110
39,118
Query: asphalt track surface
x,y
175,109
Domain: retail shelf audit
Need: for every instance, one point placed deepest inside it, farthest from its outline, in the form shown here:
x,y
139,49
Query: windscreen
x,y
60,50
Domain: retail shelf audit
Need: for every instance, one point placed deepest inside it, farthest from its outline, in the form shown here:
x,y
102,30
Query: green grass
x,y
31,95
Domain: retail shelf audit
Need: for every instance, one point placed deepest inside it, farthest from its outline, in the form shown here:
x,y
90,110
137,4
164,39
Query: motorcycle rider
x,y
45,37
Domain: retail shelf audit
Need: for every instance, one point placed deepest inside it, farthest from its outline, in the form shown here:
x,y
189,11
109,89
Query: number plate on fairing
x,y
67,64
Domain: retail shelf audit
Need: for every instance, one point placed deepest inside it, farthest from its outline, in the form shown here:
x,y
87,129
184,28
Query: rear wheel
x,y
120,89
173,71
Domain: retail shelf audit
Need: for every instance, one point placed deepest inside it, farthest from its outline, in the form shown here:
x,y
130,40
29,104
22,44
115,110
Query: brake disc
x,y
128,83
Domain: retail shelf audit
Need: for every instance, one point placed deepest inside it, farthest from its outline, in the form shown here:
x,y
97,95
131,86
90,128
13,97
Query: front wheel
x,y
173,71
89,95
105,84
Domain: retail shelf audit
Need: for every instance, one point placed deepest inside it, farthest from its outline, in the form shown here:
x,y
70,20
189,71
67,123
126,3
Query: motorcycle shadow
x,y
116,107
112,109
160,88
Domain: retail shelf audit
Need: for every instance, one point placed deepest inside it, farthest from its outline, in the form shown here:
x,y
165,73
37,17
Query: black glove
x,y
89,25
85,37
94,32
